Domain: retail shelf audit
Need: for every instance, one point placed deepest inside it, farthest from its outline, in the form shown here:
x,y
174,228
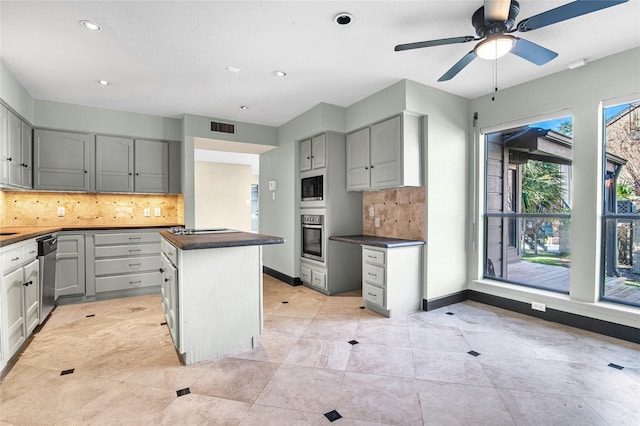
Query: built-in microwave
x,y
311,188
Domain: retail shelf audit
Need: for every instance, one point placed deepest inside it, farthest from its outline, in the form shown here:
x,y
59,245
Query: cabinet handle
x,y
32,252
166,279
24,165
135,238
371,257
366,168
372,167
308,158
9,159
85,171
14,259
130,174
131,265
134,250
27,283
161,271
170,253
372,275
372,295
137,174
133,283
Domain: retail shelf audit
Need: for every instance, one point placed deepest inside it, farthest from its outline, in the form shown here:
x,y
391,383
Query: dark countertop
x,y
372,240
22,233
233,239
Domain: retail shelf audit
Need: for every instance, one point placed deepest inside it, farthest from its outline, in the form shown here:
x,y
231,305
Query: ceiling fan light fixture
x,y
495,47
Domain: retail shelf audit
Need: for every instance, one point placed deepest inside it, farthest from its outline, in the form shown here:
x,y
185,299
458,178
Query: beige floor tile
x,y
195,409
340,330
320,354
272,348
381,360
285,326
389,400
262,415
449,367
302,388
233,378
383,334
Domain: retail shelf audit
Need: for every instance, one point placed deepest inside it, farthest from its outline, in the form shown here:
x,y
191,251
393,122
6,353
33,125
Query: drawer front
x,y
133,250
125,266
170,251
373,274
30,252
318,279
305,274
127,282
12,259
373,294
127,238
373,256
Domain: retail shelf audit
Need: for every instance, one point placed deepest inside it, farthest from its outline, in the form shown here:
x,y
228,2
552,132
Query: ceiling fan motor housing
x,y
485,28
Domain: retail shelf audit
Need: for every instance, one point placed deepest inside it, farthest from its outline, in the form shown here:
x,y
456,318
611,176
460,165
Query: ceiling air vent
x,y
217,126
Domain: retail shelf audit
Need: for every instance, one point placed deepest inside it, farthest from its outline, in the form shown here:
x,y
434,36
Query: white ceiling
x,y
169,57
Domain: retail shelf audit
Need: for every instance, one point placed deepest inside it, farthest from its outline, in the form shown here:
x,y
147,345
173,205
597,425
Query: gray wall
x,y
12,93
579,91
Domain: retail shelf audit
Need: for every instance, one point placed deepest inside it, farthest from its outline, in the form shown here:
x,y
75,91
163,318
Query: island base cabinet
x,y
219,301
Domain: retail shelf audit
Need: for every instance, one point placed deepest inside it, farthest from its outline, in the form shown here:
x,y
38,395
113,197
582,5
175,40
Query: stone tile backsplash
x,y
31,208
401,213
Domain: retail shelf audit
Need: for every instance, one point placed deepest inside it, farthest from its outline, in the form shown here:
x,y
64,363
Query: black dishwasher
x,y
47,247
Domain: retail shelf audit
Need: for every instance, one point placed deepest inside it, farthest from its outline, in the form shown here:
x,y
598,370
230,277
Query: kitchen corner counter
x,y
221,240
21,233
375,241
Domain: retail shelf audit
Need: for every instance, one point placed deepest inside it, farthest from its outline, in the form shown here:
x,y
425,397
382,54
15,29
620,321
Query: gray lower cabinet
x,y
70,265
19,297
61,160
127,262
170,295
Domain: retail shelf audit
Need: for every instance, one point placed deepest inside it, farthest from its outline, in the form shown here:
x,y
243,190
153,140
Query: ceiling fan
x,y
494,22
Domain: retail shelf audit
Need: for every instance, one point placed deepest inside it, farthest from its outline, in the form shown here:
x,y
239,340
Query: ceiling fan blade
x,y
565,12
439,42
466,60
532,52
496,10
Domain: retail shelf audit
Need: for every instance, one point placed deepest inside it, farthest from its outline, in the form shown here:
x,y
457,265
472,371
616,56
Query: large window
x,y
620,279
528,204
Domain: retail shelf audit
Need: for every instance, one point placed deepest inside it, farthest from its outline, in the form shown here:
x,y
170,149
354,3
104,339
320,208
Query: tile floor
x,y
411,370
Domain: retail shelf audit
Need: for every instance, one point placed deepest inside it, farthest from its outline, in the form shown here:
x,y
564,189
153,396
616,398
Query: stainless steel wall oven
x,y
313,238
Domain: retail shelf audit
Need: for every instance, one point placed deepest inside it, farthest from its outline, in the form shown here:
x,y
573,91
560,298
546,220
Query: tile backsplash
x,y
30,208
401,213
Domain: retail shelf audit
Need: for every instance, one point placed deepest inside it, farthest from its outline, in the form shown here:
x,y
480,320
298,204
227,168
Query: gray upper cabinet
x,y
386,154
27,157
15,150
313,153
61,160
114,164
151,166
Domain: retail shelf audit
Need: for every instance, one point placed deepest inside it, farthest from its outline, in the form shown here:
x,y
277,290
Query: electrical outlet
x,y
539,306
147,212
377,222
156,211
60,211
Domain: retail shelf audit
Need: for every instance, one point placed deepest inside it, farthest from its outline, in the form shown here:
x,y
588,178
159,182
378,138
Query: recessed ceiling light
x,y
577,64
233,69
343,18
279,73
244,107
90,25
103,82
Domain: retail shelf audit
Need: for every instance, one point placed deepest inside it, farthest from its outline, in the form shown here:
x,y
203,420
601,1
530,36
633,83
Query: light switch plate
x,y
377,222
156,211
272,185
60,211
147,212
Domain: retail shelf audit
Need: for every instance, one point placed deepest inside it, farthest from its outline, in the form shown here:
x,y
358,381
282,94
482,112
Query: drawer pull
x,y
134,265
14,259
135,238
32,252
134,250
171,253
372,295
133,283
372,275
371,257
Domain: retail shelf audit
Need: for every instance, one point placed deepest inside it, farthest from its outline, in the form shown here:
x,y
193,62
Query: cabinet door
x,y
318,151
305,155
70,266
358,160
114,164
15,150
27,158
61,160
151,166
31,295
4,144
385,153
13,317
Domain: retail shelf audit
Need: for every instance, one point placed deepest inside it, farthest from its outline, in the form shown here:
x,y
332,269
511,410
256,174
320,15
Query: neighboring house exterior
x,y
623,140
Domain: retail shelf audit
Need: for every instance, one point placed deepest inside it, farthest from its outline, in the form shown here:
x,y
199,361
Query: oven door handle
x,y
312,226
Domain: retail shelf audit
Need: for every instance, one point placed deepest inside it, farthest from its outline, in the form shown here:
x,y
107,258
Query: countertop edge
x,y
200,242
376,241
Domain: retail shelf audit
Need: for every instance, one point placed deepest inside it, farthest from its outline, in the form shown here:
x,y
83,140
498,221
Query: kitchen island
x,y
212,291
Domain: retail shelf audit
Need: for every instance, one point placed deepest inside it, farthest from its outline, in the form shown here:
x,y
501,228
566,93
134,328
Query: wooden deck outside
x,y
556,278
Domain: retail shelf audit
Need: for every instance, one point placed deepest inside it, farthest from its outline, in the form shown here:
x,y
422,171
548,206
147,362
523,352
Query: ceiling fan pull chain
x,y
495,78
